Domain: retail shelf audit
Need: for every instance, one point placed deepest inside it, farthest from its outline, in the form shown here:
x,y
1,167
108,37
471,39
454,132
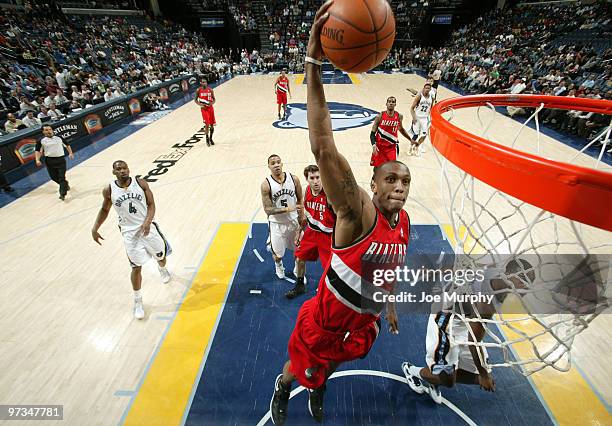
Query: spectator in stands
x,y
109,95
60,100
74,106
589,83
55,113
26,106
13,124
60,77
31,121
76,94
43,114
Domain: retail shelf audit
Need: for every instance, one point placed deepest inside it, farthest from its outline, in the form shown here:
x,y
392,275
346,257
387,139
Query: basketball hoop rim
x,y
575,192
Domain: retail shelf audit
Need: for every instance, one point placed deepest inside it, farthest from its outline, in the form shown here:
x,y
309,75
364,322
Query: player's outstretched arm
x,y
102,215
338,180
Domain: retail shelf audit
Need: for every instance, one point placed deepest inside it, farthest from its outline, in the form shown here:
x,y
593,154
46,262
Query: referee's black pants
x,y
56,167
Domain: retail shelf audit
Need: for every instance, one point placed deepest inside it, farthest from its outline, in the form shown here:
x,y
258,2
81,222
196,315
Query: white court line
x,y
258,255
291,280
401,379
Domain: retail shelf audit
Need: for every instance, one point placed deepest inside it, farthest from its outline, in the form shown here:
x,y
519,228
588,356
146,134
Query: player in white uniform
x,y
448,362
421,109
135,206
282,198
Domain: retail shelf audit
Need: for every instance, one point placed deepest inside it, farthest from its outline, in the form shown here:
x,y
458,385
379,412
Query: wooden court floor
x,y
67,335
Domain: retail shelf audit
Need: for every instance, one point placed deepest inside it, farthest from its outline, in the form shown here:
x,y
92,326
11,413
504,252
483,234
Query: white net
x,y
554,271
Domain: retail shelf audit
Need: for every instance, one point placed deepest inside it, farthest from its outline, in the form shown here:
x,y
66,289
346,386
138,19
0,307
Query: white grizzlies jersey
x,y
130,204
424,106
283,195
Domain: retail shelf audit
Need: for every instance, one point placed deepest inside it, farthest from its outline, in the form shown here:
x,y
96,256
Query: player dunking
x,y
135,206
281,195
421,110
315,242
205,98
385,143
281,88
340,323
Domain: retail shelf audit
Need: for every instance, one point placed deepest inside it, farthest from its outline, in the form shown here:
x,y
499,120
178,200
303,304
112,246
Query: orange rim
x,y
575,192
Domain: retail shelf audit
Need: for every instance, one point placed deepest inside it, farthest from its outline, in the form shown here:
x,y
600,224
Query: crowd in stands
x,y
527,50
289,23
53,65
244,17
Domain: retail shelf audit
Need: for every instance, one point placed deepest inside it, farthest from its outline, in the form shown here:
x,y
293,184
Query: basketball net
x,y
491,228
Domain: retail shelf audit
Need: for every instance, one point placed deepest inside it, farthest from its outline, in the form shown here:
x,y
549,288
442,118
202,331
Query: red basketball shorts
x,y
208,116
281,98
311,347
314,245
386,152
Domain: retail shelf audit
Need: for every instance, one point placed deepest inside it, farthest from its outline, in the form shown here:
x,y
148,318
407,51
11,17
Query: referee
x,y
52,147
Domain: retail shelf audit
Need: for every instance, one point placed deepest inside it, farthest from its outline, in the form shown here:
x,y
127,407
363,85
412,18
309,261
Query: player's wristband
x,y
313,61
373,138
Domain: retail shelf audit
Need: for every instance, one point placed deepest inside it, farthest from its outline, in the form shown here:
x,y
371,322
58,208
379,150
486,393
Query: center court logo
x,y
343,116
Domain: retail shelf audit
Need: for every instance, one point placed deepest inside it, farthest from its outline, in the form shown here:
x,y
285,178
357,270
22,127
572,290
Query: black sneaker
x,y
315,403
296,291
62,196
212,142
279,402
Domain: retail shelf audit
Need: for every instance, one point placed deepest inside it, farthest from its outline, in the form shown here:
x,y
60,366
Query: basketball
x,y
358,35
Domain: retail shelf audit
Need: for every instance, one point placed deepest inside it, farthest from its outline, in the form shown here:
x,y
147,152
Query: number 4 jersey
x,y
130,204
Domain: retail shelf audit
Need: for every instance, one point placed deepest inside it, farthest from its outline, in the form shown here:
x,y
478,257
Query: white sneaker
x,y
138,309
415,383
280,270
165,274
436,395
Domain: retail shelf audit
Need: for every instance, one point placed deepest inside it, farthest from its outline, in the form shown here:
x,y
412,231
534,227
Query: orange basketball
x,y
358,34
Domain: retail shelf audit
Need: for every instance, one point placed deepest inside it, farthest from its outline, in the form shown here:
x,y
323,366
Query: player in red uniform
x,y
205,98
340,323
315,241
385,144
281,88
